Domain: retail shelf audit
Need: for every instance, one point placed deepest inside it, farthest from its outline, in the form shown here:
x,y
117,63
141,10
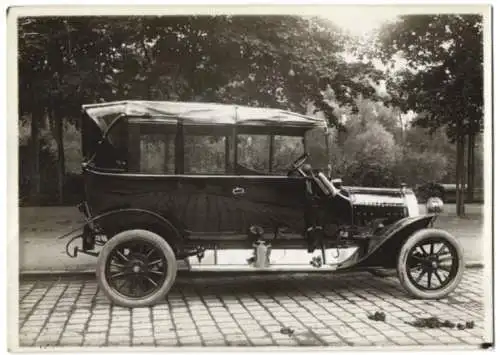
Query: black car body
x,y
185,215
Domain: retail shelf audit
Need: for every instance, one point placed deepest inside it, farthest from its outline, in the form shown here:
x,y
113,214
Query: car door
x,y
207,205
270,202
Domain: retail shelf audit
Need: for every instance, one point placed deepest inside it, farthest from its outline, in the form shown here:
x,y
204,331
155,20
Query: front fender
x,y
383,247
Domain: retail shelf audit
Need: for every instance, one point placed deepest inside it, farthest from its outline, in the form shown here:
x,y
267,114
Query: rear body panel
x,y
200,205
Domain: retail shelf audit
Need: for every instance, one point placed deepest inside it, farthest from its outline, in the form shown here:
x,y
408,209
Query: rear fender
x,y
383,248
116,221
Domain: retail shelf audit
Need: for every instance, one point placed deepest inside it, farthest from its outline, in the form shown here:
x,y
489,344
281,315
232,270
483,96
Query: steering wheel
x,y
296,165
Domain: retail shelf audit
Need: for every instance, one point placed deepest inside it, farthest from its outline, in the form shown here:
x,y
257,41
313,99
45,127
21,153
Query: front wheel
x,y
136,268
430,264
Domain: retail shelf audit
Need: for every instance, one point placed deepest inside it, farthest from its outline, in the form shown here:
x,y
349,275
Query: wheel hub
x,y
136,265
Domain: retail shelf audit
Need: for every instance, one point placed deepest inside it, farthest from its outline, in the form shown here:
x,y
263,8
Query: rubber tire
x,y
403,255
121,300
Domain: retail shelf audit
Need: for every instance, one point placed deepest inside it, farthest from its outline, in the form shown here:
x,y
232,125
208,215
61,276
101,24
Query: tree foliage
x,y
442,80
444,72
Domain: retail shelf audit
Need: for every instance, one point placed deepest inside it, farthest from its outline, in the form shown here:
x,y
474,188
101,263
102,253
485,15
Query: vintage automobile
x,y
144,219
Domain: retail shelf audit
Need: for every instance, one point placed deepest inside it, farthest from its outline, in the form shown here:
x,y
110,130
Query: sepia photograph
x,y
250,177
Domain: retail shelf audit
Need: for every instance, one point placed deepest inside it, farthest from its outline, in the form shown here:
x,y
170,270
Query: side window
x,y
138,148
204,154
253,154
157,153
286,150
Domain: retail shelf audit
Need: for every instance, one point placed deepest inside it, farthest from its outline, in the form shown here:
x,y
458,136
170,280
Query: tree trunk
x,y
463,179
402,131
61,166
470,168
459,175
35,186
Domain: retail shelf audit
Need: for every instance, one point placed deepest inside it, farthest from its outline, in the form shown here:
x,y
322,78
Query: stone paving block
x,y
187,332
119,330
159,330
237,341
32,326
142,326
38,317
287,342
449,340
26,339
206,324
142,333
433,341
256,333
161,321
360,342
95,342
95,335
393,333
185,327
191,340
262,341
135,320
121,340
100,316
75,340
404,341
167,342
375,337
420,336
256,328
98,322
75,327
212,335
470,340
308,340
143,341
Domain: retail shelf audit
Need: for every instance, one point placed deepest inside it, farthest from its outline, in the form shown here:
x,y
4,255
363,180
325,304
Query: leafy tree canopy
x,y
278,61
443,75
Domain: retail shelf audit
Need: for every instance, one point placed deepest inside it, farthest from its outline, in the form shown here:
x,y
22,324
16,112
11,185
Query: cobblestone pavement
x,y
317,310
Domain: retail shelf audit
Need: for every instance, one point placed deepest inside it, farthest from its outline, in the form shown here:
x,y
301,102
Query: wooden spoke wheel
x,y
430,264
136,268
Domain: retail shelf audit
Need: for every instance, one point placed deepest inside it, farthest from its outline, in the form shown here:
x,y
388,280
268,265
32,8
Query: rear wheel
x,y
430,264
136,268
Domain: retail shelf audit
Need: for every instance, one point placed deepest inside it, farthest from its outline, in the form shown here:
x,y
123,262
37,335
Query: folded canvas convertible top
x,y
196,113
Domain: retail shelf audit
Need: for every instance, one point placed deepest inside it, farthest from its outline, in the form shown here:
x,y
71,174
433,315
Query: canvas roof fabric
x,y
197,113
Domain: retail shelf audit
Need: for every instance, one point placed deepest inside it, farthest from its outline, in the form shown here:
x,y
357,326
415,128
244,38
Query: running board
x,y
270,269
277,260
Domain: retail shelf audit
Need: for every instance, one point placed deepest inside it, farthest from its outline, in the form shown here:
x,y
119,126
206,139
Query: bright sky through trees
x,y
361,20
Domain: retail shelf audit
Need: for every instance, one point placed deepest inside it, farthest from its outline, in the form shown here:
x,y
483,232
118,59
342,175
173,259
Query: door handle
x,y
238,191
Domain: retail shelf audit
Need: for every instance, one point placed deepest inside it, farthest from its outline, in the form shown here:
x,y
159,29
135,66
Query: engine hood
x,y
376,196
382,191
